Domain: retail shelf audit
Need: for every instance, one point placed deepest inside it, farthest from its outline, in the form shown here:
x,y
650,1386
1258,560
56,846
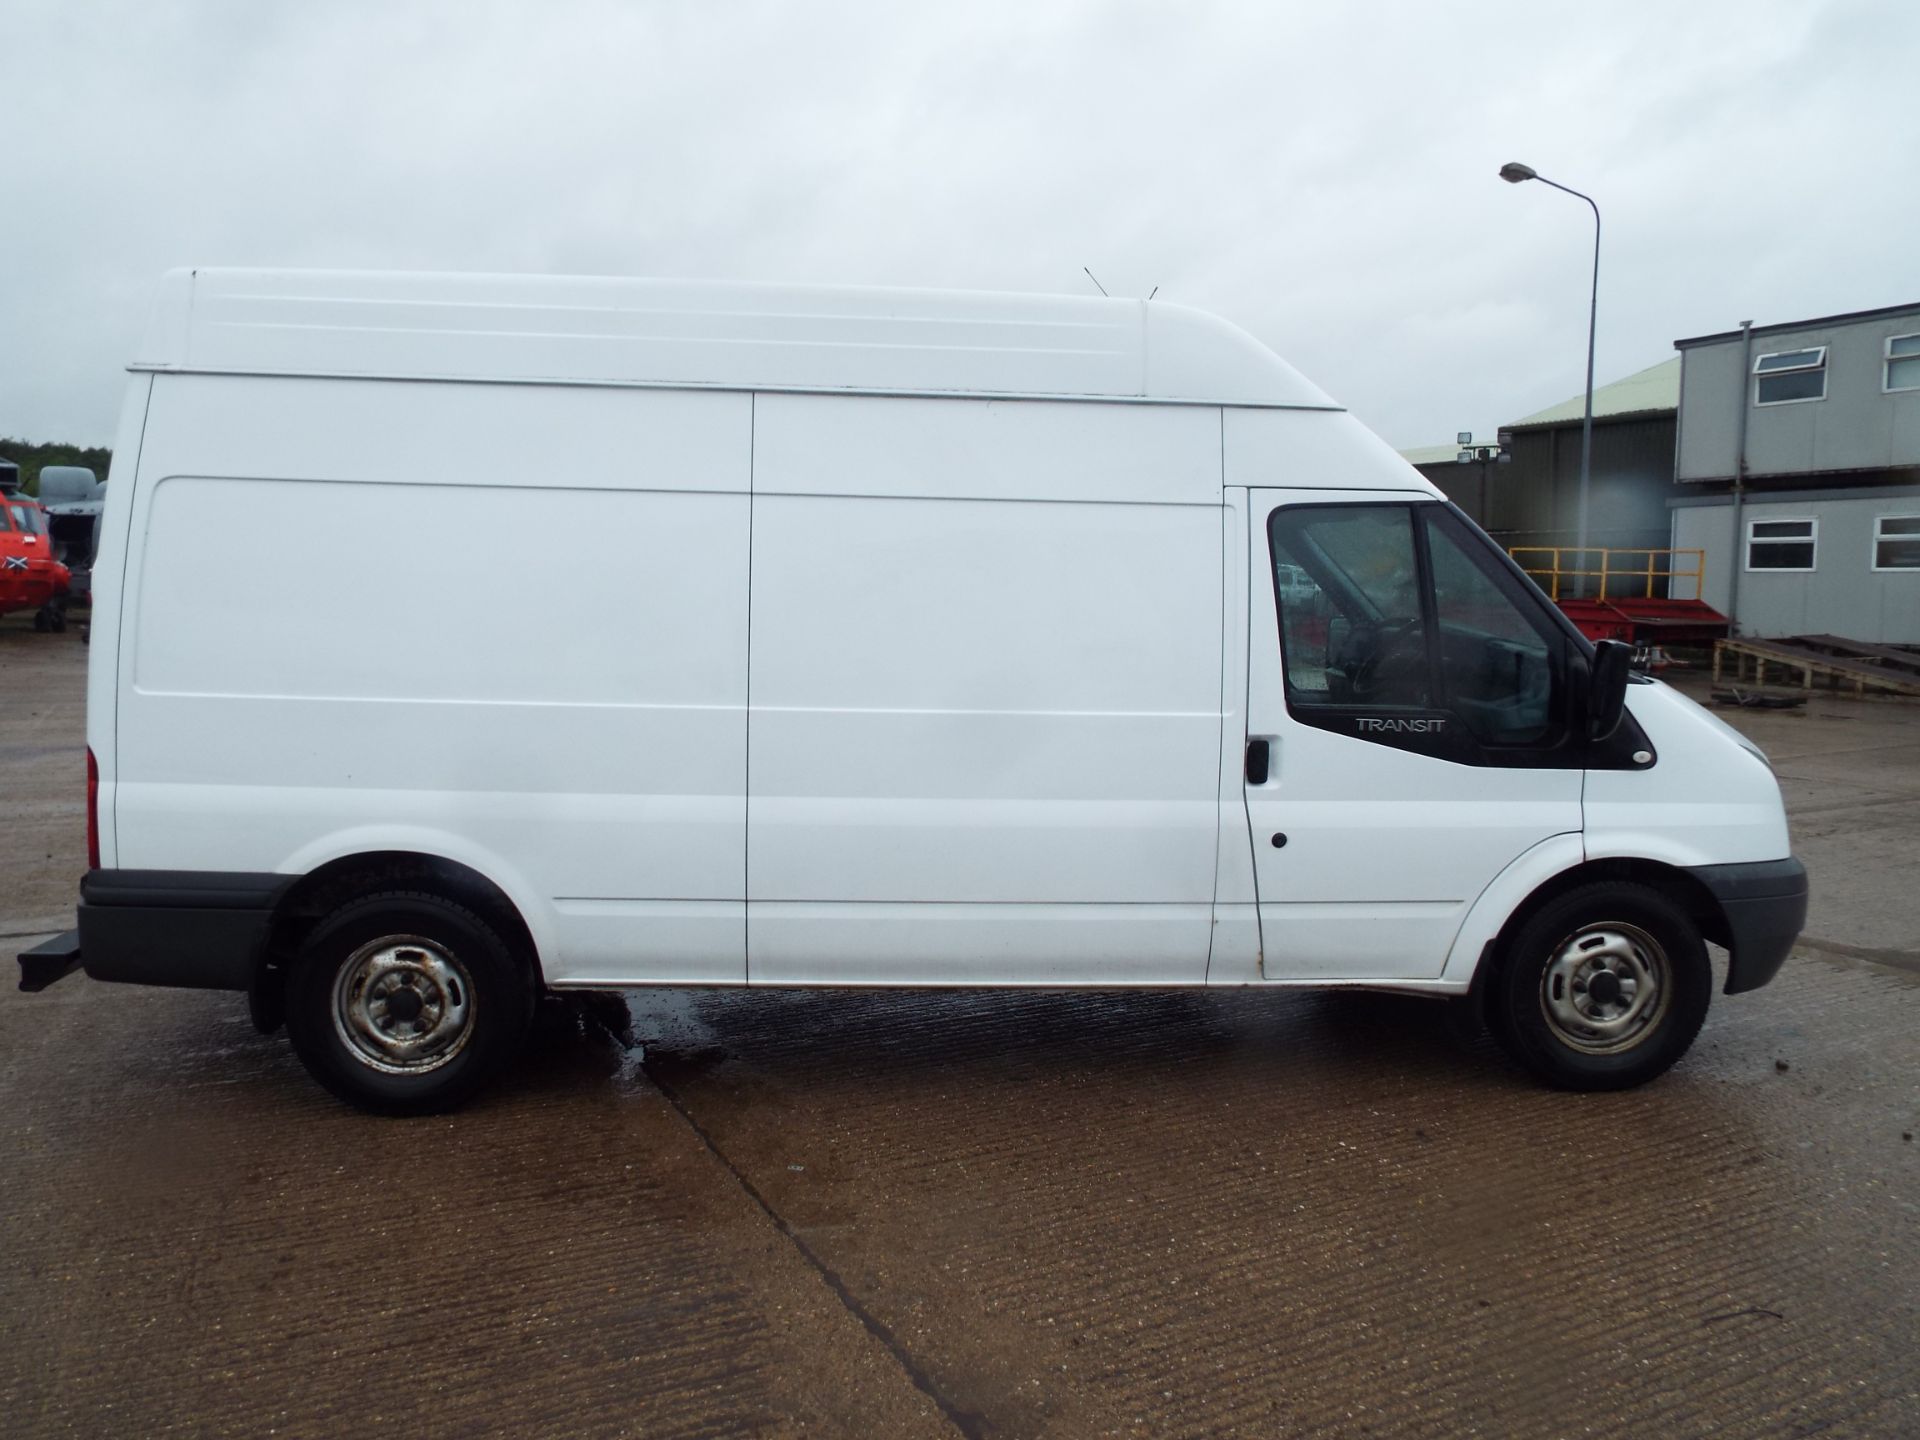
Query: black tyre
x,y
407,1004
1602,989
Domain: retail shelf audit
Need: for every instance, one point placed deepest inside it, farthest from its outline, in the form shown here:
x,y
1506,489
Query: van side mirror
x,y
1607,687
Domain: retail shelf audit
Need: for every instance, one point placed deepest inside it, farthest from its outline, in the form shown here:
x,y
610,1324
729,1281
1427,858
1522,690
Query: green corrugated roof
x,y
1435,454
1652,391
1647,392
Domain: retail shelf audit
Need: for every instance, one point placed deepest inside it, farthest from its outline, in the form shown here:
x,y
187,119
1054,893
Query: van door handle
x,y
1257,761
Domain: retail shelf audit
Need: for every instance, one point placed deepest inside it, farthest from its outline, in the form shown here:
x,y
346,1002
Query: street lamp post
x,y
1514,173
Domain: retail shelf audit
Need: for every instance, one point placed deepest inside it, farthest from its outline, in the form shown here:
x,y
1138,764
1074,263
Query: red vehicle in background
x,y
30,578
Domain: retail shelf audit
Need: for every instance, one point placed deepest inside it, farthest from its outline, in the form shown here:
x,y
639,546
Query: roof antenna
x,y
1096,281
1156,291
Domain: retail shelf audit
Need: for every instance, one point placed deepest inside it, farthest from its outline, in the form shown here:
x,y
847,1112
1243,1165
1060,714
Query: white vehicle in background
x,y
1293,585
74,501
923,639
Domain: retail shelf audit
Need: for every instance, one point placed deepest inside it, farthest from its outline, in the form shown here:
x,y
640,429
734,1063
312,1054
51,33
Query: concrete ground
x,y
1224,1213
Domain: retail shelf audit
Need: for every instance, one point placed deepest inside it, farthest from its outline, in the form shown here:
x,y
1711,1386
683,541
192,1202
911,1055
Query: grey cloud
x,y
1323,175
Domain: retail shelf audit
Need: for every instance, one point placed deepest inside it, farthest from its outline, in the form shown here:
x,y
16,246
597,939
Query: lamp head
x,y
1513,172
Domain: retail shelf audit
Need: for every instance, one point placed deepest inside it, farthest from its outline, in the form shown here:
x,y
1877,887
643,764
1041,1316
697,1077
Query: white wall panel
x,y
477,658
978,701
986,449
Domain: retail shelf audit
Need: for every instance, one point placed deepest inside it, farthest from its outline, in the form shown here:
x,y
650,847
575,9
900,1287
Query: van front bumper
x,y
1765,908
195,928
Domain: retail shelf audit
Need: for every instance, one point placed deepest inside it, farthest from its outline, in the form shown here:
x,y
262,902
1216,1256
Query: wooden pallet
x,y
1812,658
1899,656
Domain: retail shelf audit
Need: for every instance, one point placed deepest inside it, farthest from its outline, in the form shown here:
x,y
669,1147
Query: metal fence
x,y
1608,572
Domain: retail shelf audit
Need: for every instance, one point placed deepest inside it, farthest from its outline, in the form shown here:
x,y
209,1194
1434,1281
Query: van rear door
x,y
1407,723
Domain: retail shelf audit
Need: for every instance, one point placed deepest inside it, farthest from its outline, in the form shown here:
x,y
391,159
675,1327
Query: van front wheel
x,y
1604,988
407,1004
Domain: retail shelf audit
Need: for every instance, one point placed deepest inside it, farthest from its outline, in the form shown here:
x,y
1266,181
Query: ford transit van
x,y
573,634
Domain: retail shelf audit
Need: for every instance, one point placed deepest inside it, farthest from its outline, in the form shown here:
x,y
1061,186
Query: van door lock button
x,y
1279,842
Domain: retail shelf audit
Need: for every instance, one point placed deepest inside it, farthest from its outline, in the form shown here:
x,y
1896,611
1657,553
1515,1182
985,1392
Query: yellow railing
x,y
1623,574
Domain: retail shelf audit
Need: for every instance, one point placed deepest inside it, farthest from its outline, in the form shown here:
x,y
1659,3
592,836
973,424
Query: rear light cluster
x,y
93,811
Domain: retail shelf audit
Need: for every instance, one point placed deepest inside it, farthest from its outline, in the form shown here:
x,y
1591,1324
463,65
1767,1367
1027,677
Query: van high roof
x,y
681,333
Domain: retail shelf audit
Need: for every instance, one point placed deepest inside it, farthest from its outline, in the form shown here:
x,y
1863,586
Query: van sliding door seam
x,y
746,759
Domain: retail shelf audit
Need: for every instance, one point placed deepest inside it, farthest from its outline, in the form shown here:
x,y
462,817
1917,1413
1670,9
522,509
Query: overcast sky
x,y
1322,174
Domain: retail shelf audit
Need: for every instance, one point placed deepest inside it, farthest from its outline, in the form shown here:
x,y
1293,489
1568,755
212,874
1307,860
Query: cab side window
x,y
1349,587
1400,625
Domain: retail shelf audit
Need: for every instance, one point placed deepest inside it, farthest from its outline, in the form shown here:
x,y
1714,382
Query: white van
x,y
462,638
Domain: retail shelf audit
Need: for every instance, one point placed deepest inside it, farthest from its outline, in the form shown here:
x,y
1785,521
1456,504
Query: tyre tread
x,y
310,1026
1513,1003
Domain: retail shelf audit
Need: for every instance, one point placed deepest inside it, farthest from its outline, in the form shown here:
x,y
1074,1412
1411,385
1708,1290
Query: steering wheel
x,y
1363,676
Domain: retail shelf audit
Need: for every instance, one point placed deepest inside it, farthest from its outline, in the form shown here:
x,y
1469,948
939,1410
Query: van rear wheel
x,y
1604,988
403,1003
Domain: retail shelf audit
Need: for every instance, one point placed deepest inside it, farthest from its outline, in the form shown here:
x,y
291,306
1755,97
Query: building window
x,y
1903,363
1790,375
1781,544
1896,542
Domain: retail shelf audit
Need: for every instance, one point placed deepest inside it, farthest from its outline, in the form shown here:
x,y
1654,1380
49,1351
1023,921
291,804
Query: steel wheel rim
x,y
1598,1015
403,1005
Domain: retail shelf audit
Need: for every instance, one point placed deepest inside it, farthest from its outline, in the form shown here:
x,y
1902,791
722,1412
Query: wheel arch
x,y
1683,889
323,889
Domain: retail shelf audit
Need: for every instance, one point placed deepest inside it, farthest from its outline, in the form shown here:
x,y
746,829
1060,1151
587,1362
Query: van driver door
x,y
1407,712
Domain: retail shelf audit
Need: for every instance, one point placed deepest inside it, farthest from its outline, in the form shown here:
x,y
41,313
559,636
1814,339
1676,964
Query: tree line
x,y
32,458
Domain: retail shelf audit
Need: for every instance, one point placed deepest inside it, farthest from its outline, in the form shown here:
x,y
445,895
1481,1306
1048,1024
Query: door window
x,y
1349,587
1496,667
1400,625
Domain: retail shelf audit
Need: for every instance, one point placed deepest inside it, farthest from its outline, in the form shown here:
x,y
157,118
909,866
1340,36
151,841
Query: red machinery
x,y
1628,594
30,578
1647,620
